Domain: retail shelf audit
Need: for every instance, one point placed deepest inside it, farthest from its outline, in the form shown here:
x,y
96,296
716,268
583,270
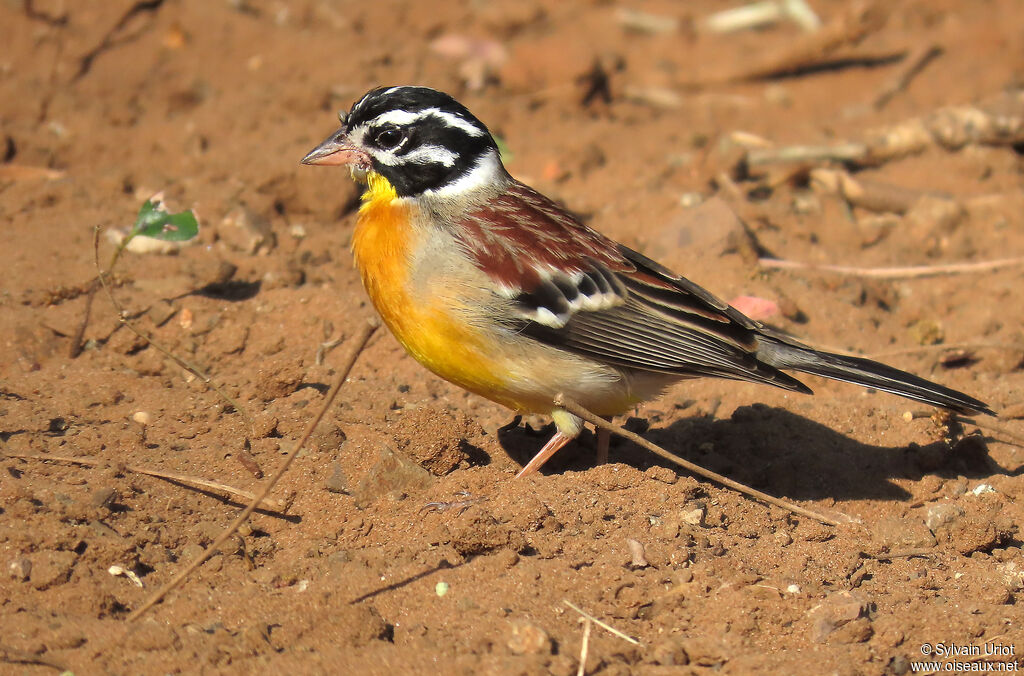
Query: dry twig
x,y
912,66
909,272
584,647
116,34
868,194
985,425
270,504
122,317
998,121
12,655
814,49
760,14
604,625
78,339
568,404
358,342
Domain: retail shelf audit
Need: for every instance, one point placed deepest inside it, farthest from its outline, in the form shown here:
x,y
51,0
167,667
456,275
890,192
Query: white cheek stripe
x,y
404,117
486,171
428,154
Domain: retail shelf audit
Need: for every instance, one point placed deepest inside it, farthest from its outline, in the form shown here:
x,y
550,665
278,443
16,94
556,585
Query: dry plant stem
x,y
14,656
122,317
911,272
997,121
116,36
584,647
604,625
358,343
77,340
912,67
867,194
574,408
806,154
270,504
985,425
814,49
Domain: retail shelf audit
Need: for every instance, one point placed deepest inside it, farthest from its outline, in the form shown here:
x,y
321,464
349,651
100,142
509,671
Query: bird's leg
x,y
604,440
554,443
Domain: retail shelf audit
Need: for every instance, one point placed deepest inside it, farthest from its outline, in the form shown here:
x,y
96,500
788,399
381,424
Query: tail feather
x,y
868,373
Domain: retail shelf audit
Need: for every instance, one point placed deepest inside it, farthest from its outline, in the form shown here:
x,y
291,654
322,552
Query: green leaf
x,y
154,221
504,151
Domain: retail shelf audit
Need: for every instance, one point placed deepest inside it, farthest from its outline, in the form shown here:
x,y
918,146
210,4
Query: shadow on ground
x,y
776,451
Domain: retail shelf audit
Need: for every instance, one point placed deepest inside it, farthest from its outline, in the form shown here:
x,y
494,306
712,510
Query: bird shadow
x,y
776,451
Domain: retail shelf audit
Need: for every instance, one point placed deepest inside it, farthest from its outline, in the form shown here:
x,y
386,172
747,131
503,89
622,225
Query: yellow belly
x,y
382,246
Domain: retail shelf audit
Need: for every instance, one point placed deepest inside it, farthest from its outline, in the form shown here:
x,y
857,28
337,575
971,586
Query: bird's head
x,y
420,140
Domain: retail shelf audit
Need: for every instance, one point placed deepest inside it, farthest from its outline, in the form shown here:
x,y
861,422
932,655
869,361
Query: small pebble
x,y
942,514
694,517
690,199
441,588
528,639
103,497
20,569
636,552
507,558
337,482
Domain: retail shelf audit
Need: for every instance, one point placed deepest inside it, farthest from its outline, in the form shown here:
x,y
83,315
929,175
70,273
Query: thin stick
x,y
271,504
911,272
569,405
807,154
585,648
813,49
603,625
77,340
122,317
915,63
871,195
985,425
358,343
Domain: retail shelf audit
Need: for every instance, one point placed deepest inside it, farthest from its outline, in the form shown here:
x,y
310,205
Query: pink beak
x,y
336,150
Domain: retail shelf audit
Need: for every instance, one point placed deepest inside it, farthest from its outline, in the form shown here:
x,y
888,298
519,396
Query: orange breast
x,y
383,245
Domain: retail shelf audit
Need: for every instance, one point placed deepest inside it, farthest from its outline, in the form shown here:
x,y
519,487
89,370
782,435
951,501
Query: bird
x,y
496,288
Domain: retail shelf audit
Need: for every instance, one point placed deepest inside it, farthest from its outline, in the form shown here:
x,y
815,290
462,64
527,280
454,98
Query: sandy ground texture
x,y
659,132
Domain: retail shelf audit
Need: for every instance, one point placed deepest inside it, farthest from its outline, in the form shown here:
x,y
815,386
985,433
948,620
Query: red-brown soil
x,y
215,103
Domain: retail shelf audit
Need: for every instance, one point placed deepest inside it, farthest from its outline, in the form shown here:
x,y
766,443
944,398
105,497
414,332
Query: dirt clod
x,y
51,568
527,638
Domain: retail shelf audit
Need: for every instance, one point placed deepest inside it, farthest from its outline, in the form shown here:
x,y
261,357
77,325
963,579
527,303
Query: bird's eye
x,y
388,138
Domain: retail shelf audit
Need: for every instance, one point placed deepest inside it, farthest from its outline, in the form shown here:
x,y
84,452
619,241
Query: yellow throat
x,y
383,245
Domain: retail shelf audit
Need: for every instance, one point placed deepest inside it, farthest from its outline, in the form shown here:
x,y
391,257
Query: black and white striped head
x,y
421,140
